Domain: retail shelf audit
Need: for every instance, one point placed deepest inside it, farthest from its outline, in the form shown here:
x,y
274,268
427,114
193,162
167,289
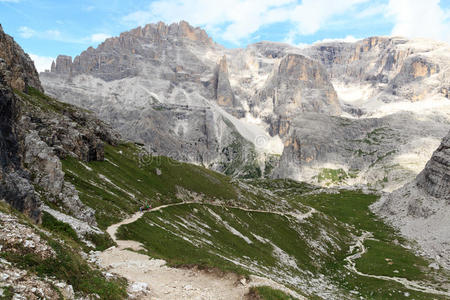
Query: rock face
x,y
121,57
36,132
15,187
395,68
166,86
421,208
299,84
21,73
435,178
173,89
223,92
63,65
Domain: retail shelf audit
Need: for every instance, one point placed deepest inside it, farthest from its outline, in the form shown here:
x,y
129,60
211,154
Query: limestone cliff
x,y
435,178
36,132
223,92
421,208
15,185
120,57
16,71
299,84
173,89
21,72
396,68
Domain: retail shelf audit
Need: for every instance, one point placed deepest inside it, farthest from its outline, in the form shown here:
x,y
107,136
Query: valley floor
x,y
156,280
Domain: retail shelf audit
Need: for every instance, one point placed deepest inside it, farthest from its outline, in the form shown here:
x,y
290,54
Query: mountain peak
x,y
162,31
16,66
118,57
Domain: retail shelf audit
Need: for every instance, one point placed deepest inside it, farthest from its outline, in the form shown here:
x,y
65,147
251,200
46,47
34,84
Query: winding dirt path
x,y
412,285
165,282
172,283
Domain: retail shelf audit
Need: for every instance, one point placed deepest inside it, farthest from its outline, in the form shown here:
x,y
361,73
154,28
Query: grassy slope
x,y
132,180
163,234
173,234
352,208
268,293
34,99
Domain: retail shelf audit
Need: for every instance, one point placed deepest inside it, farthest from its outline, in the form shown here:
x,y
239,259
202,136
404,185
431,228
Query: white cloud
x,y
347,39
89,8
419,18
373,10
26,32
42,63
235,20
311,15
56,35
52,34
99,37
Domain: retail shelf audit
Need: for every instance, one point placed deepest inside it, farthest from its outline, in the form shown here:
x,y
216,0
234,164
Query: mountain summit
x,y
172,88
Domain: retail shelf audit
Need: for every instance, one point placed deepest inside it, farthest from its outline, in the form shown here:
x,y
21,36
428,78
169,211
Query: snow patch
x,y
255,133
354,94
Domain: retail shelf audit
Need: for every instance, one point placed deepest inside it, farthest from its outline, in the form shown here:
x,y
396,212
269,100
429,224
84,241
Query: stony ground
x,y
19,283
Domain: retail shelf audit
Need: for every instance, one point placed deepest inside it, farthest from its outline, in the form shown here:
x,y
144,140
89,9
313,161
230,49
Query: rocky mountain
x,y
15,185
40,256
16,71
435,178
173,89
17,68
391,66
76,230
298,85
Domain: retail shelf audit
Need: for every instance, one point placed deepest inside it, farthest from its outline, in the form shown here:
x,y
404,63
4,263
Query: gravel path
x,y
165,282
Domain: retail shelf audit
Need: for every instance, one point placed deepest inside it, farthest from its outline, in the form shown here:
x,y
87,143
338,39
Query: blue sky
x,y
46,28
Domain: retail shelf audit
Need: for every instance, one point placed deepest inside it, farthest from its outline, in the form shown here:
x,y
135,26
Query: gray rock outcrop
x,y
223,92
299,84
20,73
421,209
15,186
63,65
435,178
395,67
35,133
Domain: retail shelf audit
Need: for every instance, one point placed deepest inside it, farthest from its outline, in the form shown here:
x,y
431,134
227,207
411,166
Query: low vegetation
x,y
36,98
67,264
289,250
267,293
130,178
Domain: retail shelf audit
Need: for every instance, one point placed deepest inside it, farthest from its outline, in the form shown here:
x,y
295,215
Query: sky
x,y
47,28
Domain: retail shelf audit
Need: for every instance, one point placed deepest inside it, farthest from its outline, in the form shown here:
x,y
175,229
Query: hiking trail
x,y
166,282
412,285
